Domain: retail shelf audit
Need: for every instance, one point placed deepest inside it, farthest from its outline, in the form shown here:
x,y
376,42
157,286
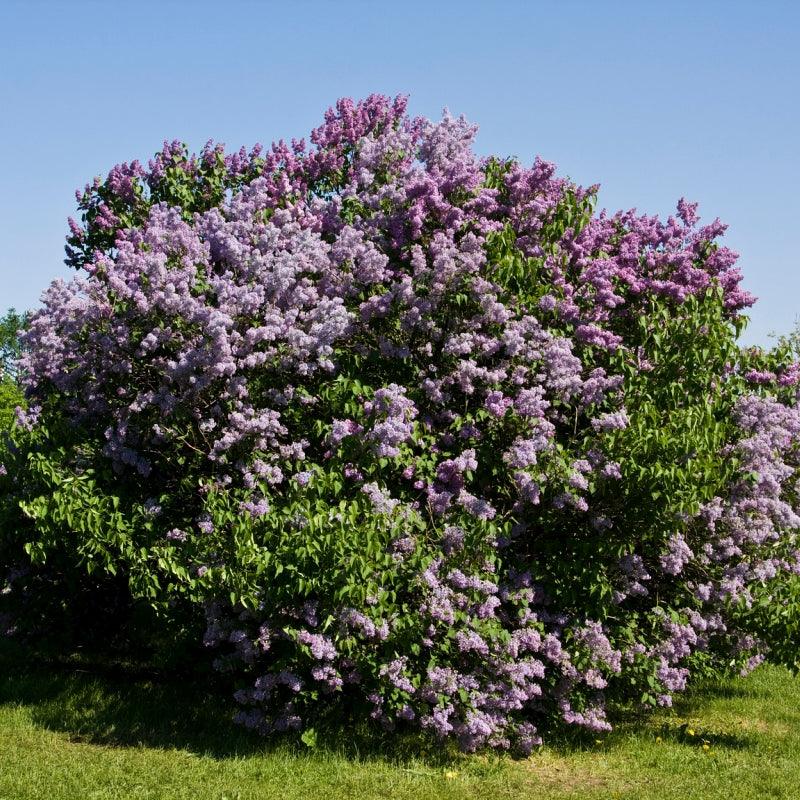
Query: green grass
x,y
70,734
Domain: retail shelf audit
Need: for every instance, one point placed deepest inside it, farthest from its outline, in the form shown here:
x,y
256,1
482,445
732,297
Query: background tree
x,y
10,393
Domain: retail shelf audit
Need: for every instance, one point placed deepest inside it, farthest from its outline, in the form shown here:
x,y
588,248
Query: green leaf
x,y
309,738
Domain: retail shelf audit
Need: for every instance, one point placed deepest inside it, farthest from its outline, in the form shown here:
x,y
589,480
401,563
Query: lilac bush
x,y
420,433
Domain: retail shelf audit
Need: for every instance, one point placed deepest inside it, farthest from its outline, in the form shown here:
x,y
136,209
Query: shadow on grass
x,y
636,721
686,735
568,742
129,713
114,709
721,691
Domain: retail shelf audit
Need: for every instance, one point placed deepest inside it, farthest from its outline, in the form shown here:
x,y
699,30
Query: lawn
x,y
73,734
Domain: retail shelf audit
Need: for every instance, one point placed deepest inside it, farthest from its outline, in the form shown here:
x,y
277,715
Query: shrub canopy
x,y
420,432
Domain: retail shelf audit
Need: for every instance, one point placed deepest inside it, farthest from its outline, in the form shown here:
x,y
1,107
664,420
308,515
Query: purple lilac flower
x,y
256,509
677,556
321,646
382,502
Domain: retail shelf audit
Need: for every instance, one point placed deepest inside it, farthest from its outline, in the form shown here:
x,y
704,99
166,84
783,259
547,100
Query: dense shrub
x,y
421,433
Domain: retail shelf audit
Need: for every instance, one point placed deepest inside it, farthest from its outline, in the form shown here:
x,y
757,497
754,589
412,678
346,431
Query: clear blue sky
x,y
652,100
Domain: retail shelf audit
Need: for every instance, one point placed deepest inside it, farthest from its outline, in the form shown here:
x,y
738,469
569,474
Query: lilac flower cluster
x,y
395,414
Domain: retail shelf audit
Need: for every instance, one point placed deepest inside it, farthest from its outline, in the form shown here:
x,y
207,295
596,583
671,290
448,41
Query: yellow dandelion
x,y
450,775
706,747
690,731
